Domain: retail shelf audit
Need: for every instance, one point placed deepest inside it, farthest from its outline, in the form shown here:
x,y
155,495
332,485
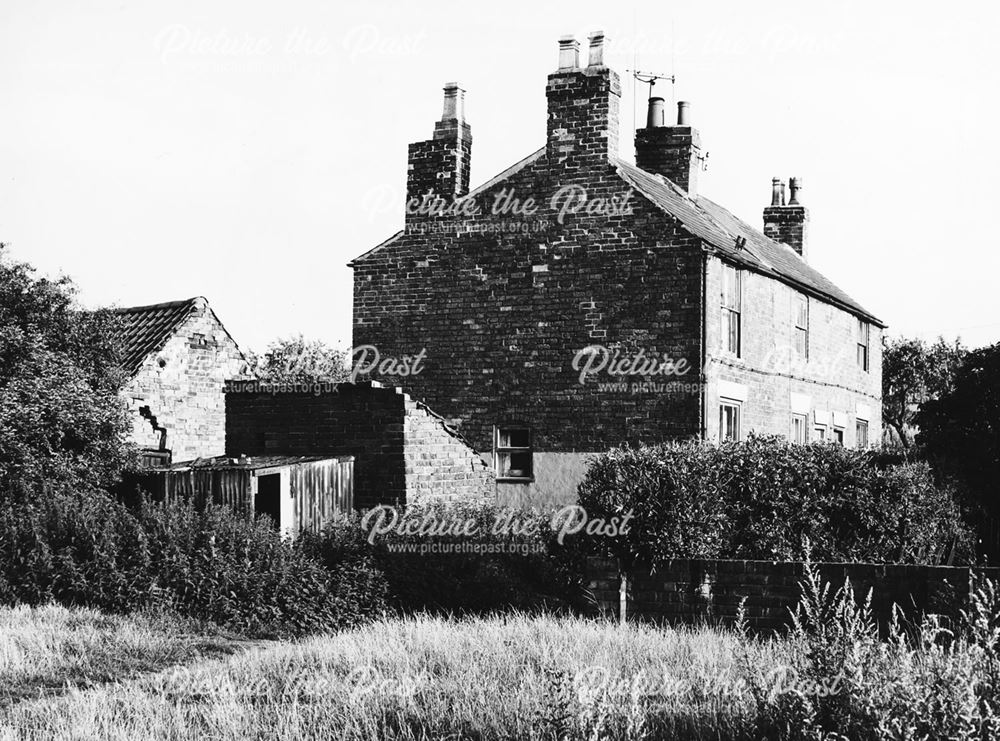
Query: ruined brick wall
x,y
403,452
695,590
182,388
828,385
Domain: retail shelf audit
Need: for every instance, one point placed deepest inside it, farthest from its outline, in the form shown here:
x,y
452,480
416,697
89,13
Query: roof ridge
x,y
162,305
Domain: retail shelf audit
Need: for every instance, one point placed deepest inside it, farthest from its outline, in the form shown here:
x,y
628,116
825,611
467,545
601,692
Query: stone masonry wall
x,y
692,590
773,376
182,388
403,452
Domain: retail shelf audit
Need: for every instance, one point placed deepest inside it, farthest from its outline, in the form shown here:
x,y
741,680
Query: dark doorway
x,y
268,500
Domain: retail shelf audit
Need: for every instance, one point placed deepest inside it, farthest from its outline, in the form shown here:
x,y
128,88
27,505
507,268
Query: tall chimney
x,y
583,106
671,151
439,167
789,222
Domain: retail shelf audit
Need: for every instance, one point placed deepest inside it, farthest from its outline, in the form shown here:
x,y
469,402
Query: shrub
x,y
212,564
463,574
74,548
757,499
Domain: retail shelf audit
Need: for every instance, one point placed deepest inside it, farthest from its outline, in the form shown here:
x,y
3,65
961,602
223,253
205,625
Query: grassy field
x,y
76,674
46,650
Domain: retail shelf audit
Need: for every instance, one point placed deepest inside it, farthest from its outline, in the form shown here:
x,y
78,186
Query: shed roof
x,y
251,463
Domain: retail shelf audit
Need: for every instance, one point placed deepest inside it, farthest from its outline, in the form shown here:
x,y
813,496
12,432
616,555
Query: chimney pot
x,y
655,116
794,186
454,103
596,57
683,113
776,197
569,53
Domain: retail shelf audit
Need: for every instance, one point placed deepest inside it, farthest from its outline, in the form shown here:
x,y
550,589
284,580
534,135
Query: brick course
x,y
403,451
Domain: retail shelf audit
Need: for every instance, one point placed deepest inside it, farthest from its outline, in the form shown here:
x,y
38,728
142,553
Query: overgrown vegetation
x,y
87,549
62,422
521,568
757,499
559,678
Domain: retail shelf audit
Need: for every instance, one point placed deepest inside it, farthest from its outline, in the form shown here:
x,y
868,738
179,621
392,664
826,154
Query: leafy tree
x,y
298,360
960,433
62,421
912,373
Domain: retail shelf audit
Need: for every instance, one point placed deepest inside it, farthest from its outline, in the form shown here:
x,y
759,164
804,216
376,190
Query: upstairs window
x,y
731,309
802,326
863,337
799,429
838,435
512,455
729,421
861,434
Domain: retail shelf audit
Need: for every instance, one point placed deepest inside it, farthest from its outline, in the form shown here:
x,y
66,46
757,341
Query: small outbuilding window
x,y
513,457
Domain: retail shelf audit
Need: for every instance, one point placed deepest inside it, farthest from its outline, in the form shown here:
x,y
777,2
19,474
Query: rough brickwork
x,y
440,166
788,224
502,296
402,451
176,396
671,151
693,591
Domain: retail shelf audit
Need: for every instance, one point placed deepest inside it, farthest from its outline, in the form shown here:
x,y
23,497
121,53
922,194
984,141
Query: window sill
x,y
515,480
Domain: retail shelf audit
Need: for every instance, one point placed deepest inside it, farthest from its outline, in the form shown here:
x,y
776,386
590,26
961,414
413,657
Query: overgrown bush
x,y
213,564
757,499
474,573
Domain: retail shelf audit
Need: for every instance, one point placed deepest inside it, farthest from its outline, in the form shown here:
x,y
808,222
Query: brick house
x,y
178,356
608,266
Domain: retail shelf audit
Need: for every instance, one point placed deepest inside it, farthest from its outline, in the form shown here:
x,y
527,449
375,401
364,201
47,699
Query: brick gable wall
x,y
182,388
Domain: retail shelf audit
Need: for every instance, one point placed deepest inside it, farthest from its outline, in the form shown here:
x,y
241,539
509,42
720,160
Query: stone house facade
x,y
576,301
178,356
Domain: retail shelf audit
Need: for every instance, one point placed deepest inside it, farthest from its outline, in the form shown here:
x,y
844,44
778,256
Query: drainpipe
x,y
702,402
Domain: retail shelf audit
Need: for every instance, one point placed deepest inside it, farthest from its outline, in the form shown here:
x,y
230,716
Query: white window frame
x,y
738,406
727,311
864,340
858,425
801,325
804,419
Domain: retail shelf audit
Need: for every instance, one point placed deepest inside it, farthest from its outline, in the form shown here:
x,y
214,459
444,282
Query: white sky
x,y
245,151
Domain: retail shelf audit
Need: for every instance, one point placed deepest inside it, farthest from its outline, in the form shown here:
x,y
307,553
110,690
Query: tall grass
x,y
520,676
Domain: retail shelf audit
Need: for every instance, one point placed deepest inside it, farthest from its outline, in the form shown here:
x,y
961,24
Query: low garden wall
x,y
696,590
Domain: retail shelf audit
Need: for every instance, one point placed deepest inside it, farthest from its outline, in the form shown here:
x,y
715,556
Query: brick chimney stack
x,y
583,106
671,151
789,222
441,164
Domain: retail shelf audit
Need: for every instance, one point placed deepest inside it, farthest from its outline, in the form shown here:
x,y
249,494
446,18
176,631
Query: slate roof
x,y
717,227
146,329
